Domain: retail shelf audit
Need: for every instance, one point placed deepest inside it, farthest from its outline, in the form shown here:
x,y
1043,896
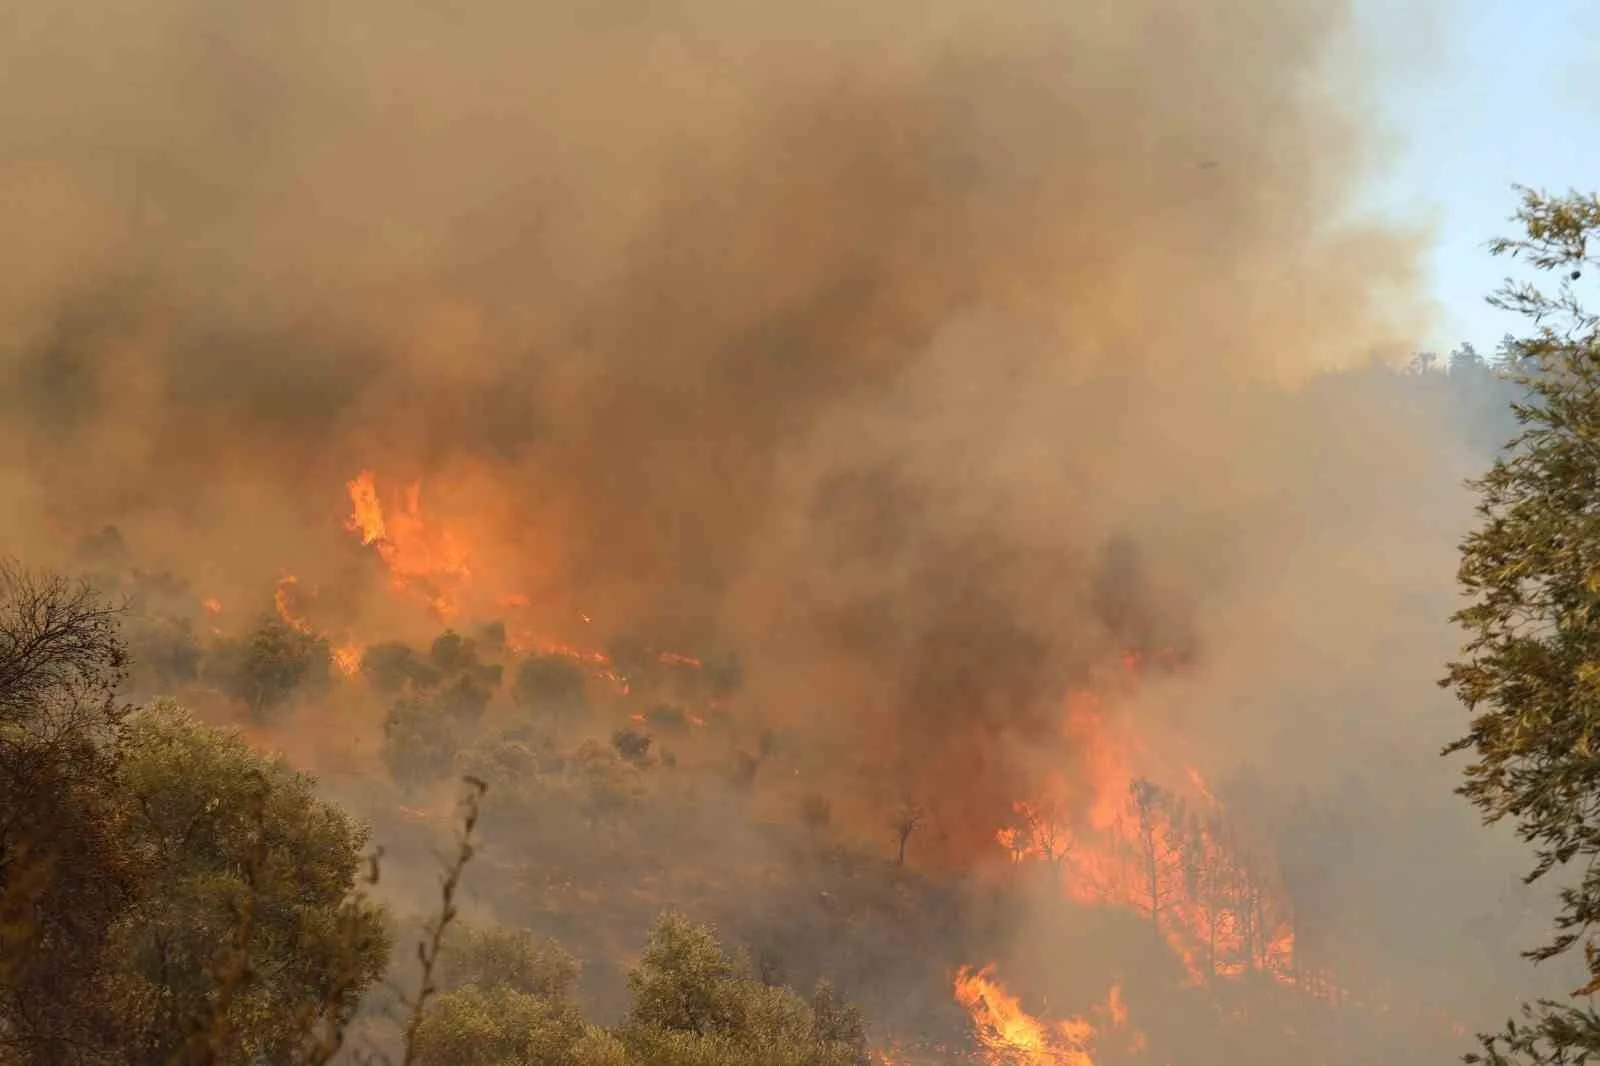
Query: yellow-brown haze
x,y
928,354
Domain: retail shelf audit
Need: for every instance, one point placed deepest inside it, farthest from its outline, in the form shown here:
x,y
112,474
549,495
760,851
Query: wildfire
x,y
672,658
1115,838
286,599
347,659
423,559
1010,1036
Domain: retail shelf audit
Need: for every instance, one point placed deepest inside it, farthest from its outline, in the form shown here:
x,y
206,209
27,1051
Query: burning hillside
x,y
769,460
1111,816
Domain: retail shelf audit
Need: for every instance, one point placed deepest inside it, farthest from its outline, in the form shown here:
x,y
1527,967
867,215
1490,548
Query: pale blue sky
x,y
1499,92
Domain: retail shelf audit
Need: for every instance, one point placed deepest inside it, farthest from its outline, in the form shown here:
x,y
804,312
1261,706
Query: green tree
x,y
390,666
494,1025
1530,669
266,668
450,676
605,785
235,848
693,1005
419,741
514,959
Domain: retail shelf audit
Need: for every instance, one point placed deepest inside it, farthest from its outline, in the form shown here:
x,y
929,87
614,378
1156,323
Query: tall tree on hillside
x,y
1530,669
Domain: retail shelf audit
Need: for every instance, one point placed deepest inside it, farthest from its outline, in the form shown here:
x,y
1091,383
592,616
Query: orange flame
x,y
422,559
1010,1035
1117,839
347,659
285,598
672,658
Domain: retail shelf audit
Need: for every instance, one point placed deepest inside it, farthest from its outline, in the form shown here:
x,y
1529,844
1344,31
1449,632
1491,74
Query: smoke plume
x,y
928,356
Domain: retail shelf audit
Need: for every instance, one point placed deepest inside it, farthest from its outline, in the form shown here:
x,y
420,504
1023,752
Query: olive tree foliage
x,y
693,1005
419,742
507,958
167,895
507,1000
494,1025
250,882
1530,668
266,668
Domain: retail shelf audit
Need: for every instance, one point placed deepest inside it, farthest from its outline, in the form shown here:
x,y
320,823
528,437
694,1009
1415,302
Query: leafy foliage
x,y
695,1005
390,666
419,741
1530,670
512,959
217,825
266,668
495,1025
166,894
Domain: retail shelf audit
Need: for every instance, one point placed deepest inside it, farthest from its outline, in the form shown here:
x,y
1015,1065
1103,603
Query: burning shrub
x,y
269,666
